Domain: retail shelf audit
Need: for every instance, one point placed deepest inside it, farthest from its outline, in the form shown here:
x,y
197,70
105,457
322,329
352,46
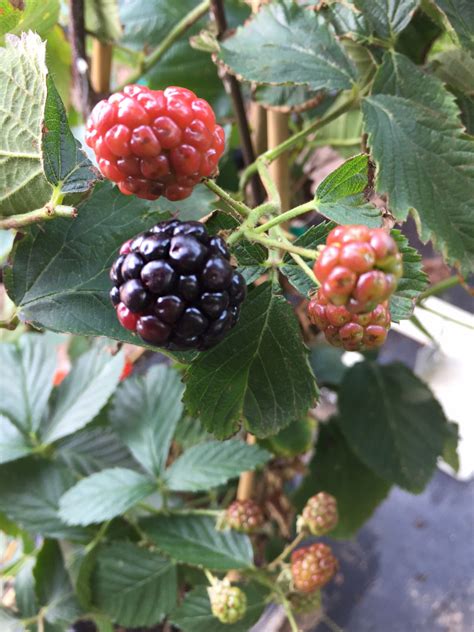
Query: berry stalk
x,y
43,214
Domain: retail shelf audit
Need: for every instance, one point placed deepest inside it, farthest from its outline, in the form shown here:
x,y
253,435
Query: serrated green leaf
x,y
347,19
413,281
195,615
53,588
194,539
23,186
424,162
190,432
285,98
104,495
144,413
79,561
64,162
68,288
456,68
340,196
93,450
387,17
295,439
312,238
213,463
29,495
392,422
13,443
196,206
82,394
134,586
335,469
461,15
103,20
242,376
30,366
35,15
288,44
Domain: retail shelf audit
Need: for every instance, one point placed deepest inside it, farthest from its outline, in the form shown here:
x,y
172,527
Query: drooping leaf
x,y
53,587
461,15
424,161
312,238
340,196
392,422
104,495
81,395
30,366
23,186
102,19
335,469
412,282
144,413
93,450
133,585
288,44
213,463
29,495
68,288
387,17
65,163
194,539
195,615
13,444
242,376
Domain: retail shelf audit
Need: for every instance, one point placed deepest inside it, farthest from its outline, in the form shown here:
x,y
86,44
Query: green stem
x,y
439,288
289,615
285,217
286,551
269,184
305,267
332,625
210,577
39,215
176,32
98,537
280,245
416,321
240,207
272,154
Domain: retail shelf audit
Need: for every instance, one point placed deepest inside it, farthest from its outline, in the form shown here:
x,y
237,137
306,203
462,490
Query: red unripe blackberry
x,y
320,514
312,567
244,515
353,332
359,267
175,286
155,142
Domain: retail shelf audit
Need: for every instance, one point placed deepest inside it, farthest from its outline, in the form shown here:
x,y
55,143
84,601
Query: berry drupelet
x,y
353,332
175,287
358,267
155,142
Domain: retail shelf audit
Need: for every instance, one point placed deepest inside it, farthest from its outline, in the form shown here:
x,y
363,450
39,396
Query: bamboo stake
x,y
101,66
245,488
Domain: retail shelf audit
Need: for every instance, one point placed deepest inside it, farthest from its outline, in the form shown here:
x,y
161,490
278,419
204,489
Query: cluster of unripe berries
x,y
155,142
175,287
358,269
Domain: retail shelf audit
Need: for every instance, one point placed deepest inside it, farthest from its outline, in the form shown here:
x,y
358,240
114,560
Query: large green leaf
x,y
65,164
461,15
387,17
67,288
424,161
392,422
194,539
30,366
23,186
82,394
455,67
347,19
104,495
213,463
243,375
144,413
93,450
312,238
13,444
340,196
413,281
195,615
288,44
53,587
335,469
134,586
35,15
29,495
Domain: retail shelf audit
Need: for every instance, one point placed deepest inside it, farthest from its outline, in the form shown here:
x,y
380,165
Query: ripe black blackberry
x,y
175,287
